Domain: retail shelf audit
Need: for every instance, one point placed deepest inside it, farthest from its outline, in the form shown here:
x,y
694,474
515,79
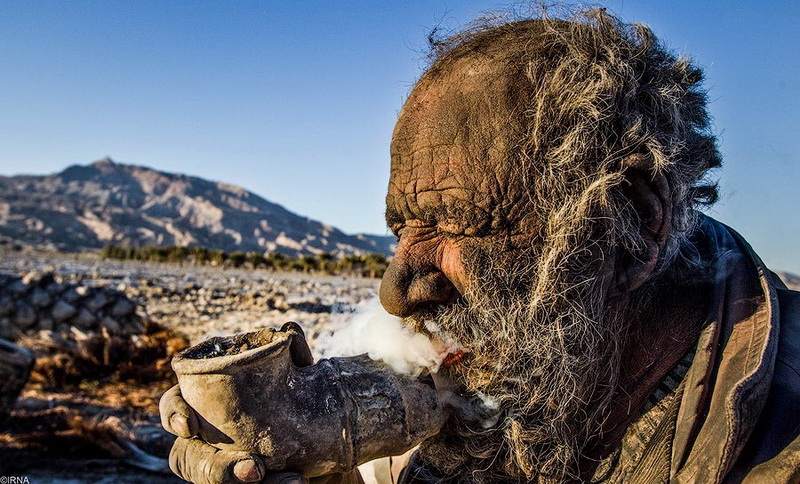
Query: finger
x,y
177,417
200,463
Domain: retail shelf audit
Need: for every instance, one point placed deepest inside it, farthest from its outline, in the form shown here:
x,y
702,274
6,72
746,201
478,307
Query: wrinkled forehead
x,y
452,138
465,103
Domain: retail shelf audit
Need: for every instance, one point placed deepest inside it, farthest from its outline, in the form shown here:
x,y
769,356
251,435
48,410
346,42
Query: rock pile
x,y
44,301
217,305
202,301
194,301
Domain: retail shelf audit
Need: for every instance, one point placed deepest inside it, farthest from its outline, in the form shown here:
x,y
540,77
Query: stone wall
x,y
44,301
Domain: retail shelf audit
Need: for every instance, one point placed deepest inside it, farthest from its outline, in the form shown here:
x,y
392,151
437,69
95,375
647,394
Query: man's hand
x,y
198,462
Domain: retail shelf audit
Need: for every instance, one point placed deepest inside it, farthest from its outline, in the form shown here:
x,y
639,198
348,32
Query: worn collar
x,y
728,382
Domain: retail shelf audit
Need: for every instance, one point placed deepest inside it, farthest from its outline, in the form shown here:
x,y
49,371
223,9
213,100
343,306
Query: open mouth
x,y
453,357
450,352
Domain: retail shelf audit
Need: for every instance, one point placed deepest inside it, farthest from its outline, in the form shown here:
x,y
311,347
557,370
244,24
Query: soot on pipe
x,y
261,392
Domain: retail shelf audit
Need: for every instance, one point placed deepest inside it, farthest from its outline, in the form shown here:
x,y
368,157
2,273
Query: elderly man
x,y
544,188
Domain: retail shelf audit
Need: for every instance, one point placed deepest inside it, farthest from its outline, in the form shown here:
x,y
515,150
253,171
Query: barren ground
x,y
42,440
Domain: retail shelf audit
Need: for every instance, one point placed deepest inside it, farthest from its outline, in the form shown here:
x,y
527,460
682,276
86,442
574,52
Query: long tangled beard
x,y
548,354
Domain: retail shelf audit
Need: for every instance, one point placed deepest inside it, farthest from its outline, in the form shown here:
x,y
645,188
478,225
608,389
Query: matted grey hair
x,y
588,99
594,97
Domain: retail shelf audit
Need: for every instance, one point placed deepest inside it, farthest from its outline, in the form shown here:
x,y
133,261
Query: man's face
x,y
472,259
451,188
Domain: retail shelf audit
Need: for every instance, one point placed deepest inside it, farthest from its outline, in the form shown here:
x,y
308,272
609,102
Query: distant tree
x,y
177,253
351,264
237,259
256,260
111,251
366,265
279,261
199,255
308,263
375,265
217,257
325,262
162,253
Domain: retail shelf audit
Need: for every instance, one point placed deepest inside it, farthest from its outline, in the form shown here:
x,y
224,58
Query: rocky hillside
x,y
792,281
87,207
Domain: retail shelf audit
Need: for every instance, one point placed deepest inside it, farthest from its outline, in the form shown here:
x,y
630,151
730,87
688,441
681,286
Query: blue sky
x,y
296,100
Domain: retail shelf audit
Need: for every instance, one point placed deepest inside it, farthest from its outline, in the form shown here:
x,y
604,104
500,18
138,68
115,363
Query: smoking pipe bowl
x,y
259,392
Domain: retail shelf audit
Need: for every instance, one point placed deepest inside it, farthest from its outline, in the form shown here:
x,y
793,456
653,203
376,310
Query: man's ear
x,y
649,196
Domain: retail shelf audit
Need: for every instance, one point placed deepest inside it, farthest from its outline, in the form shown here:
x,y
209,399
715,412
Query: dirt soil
x,y
44,440
74,429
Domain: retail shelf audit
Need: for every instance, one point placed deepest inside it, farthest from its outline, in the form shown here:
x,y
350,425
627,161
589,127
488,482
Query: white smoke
x,y
383,337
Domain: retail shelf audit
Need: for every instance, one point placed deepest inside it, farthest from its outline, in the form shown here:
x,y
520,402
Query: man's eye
x,y
449,228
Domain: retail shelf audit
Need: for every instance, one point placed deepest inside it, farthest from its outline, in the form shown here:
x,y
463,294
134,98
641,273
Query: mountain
x,y
87,207
792,281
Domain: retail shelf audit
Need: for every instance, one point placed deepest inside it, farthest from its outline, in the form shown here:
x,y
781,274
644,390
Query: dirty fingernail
x,y
179,424
247,470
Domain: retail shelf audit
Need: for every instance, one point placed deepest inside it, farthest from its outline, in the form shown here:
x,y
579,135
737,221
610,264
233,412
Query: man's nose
x,y
406,289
